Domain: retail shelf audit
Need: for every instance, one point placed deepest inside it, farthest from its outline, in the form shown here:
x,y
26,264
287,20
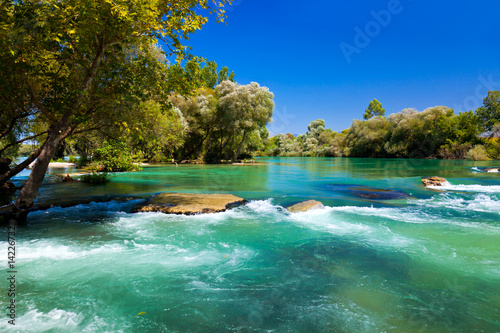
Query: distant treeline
x,y
436,132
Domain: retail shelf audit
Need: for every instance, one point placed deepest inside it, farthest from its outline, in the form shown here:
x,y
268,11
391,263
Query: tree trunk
x,y
20,167
57,132
29,190
196,148
230,147
239,147
221,149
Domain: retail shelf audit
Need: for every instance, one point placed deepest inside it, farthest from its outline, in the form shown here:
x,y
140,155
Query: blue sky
x,y
410,53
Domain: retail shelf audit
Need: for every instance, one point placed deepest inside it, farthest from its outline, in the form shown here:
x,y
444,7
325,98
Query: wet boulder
x,y
67,178
189,203
305,206
434,181
492,169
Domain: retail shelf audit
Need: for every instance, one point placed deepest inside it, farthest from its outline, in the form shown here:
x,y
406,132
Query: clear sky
x,y
329,59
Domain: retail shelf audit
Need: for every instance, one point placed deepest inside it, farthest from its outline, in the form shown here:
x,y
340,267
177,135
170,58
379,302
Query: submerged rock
x,y
434,181
304,206
377,194
189,203
369,192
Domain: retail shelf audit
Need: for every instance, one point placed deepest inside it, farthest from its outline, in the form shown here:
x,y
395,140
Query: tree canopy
x,y
489,113
374,109
71,65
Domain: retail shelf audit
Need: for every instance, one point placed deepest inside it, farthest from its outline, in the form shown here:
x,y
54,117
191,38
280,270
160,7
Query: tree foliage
x,y
432,133
489,113
374,109
221,123
69,65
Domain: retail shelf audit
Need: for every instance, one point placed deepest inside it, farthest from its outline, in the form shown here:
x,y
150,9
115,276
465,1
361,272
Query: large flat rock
x,y
189,203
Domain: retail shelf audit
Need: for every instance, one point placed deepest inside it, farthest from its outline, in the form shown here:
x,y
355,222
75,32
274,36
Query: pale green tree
x,y
244,108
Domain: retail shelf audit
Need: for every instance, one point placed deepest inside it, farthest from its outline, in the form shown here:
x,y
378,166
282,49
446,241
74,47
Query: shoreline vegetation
x,y
435,133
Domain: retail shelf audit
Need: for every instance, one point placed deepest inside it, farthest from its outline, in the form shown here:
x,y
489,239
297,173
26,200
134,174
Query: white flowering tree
x,y
243,109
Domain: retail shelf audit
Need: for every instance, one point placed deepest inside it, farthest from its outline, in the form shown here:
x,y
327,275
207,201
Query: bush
x,y
493,148
454,151
478,153
114,158
95,167
95,178
82,161
72,159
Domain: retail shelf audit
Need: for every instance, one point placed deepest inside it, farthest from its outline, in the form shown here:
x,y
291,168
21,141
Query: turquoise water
x,y
423,261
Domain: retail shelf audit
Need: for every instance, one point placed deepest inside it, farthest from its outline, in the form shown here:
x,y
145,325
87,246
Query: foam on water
x,y
50,249
494,170
54,321
84,212
264,207
468,188
477,202
194,251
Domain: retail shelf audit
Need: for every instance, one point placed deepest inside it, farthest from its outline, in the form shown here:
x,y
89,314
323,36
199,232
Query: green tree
x,y
225,76
74,59
468,127
113,157
154,131
374,109
200,115
315,128
367,138
209,74
489,113
420,134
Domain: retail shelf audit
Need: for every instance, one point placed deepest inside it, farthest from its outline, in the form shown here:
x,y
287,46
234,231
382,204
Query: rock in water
x,y
492,170
67,178
367,192
304,206
189,203
434,181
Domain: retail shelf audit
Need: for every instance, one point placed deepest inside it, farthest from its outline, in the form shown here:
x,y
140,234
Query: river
x,y
412,260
